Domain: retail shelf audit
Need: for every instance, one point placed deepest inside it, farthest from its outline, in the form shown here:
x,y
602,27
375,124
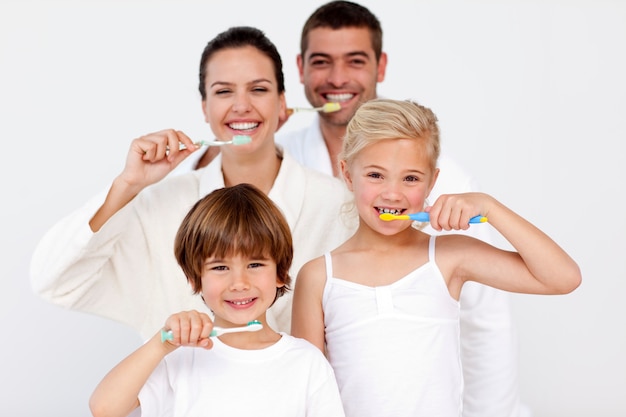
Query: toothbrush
x,y
252,326
422,216
326,108
237,140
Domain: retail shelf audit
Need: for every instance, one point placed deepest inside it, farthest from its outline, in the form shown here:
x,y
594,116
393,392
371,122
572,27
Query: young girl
x,y
113,256
384,305
235,248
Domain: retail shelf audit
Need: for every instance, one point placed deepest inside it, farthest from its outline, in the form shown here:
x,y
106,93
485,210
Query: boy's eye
x,y
219,268
374,175
255,265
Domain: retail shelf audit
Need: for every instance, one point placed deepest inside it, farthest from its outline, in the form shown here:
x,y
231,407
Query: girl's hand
x,y
151,157
190,328
453,211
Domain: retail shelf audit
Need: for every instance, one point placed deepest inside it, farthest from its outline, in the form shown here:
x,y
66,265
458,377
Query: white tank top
x,y
395,349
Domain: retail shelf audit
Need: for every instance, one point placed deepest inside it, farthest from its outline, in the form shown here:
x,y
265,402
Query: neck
x,y
333,138
260,171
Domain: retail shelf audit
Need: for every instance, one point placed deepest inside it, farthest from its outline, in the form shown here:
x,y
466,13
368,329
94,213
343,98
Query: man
x,y
341,60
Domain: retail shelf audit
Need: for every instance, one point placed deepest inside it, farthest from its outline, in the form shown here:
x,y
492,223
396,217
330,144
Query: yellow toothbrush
x,y
326,108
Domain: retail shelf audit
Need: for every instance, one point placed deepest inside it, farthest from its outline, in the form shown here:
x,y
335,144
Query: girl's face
x,y
239,289
391,175
242,97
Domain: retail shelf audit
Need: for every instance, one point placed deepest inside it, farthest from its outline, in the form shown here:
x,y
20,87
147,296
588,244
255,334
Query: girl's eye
x,y
412,178
374,175
222,92
259,89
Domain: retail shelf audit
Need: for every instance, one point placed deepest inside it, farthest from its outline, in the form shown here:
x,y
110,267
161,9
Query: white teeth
x,y
382,210
241,302
243,126
339,97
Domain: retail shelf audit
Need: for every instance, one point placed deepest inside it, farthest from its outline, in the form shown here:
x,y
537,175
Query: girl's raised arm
x,y
539,265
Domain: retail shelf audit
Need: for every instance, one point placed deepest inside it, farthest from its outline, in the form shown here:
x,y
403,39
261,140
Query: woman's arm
x,y
149,160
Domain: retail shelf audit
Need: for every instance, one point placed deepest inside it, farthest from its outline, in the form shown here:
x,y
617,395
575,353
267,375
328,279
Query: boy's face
x,y
239,289
340,66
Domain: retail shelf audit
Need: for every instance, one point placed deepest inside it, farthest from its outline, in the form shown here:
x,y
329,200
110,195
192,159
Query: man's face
x,y
340,66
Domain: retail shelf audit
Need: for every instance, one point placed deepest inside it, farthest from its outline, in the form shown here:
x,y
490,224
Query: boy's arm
x,y
117,393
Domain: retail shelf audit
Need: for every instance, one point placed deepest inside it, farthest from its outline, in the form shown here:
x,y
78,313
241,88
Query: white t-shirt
x,y
291,378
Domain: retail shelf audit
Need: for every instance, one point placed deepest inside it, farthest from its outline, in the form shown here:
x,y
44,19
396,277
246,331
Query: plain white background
x,y
531,98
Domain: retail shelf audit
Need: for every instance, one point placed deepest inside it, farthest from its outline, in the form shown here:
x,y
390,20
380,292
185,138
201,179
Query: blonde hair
x,y
383,119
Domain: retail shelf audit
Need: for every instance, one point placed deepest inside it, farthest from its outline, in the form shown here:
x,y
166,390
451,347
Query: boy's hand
x,y
190,328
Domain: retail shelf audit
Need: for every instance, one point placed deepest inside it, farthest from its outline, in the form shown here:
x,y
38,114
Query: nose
x,y
239,281
338,75
392,191
241,103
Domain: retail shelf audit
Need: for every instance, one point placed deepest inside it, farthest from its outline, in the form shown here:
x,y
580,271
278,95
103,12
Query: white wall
x,y
531,97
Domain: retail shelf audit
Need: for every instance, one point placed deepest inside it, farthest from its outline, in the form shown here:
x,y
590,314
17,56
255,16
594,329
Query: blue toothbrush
x,y
422,216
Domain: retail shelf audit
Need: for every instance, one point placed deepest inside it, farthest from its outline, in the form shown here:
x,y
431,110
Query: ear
x,y
282,113
345,174
382,67
300,62
205,111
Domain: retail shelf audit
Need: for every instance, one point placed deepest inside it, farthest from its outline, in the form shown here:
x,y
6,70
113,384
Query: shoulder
x,y
312,277
304,349
454,250
313,267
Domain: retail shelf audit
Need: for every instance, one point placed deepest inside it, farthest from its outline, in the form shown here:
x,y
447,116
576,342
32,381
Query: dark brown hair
x,y
240,37
343,14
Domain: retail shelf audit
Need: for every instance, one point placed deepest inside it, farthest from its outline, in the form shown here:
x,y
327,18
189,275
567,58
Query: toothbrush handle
x,y
217,331
422,216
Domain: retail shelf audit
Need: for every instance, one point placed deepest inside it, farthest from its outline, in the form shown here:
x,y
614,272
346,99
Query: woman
x,y
114,256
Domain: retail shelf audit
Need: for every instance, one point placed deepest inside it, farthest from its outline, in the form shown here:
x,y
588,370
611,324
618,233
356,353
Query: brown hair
x,y
234,220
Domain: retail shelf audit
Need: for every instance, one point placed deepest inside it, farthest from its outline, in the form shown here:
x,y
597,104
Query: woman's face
x,y
242,97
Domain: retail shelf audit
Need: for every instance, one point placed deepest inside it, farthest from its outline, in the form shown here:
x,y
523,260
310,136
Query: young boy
x,y
235,249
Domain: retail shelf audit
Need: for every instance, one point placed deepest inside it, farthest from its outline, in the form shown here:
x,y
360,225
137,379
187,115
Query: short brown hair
x,y
234,220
